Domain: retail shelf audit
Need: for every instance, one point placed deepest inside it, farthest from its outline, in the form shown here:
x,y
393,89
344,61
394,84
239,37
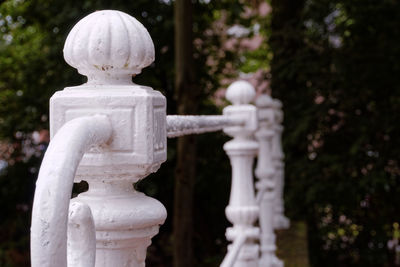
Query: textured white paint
x,y
119,130
266,174
108,47
125,220
54,187
137,114
82,235
178,125
242,210
280,220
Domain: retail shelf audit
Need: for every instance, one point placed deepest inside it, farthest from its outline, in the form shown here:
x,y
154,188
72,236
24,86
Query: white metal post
x,y
108,47
112,133
266,174
242,210
280,220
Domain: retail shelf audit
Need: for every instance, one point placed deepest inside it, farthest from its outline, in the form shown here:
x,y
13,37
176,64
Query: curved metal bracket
x,y
54,187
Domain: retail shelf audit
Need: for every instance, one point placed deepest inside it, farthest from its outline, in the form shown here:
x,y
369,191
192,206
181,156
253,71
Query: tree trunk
x,y
187,103
286,41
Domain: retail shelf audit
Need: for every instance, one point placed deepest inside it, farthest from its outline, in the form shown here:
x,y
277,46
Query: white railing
x,y
112,133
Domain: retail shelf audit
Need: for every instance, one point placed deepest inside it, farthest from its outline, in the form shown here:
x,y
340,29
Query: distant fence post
x,y
280,220
242,210
266,174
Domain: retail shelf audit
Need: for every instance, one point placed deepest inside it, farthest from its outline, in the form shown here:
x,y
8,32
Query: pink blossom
x,y
252,43
264,9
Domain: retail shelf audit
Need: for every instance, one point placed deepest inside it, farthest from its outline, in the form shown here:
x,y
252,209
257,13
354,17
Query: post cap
x,y
264,101
277,103
240,93
108,47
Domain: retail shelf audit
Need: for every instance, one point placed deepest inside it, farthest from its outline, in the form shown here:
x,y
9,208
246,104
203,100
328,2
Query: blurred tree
x,y
187,92
336,71
334,66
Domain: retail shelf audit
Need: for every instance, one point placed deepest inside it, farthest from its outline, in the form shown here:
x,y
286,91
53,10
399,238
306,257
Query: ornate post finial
x,y
242,210
108,47
240,93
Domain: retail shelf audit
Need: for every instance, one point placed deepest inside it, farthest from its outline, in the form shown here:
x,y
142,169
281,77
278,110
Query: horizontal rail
x,y
179,125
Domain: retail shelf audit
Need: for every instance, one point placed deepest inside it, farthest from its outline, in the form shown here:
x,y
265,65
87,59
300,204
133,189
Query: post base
x,y
281,222
270,260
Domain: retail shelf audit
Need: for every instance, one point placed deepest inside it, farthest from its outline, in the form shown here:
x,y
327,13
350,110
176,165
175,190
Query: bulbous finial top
x,y
108,47
240,93
277,104
264,101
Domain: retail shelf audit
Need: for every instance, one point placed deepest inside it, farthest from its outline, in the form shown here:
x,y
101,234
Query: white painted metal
x,y
54,187
81,248
108,47
178,125
265,172
280,220
242,210
112,133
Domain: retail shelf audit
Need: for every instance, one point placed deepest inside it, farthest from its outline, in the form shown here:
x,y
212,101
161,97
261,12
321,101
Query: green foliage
x,y
335,67
16,192
32,68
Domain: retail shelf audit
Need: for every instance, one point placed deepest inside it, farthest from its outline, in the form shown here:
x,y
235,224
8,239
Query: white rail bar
x,y
178,125
234,250
54,187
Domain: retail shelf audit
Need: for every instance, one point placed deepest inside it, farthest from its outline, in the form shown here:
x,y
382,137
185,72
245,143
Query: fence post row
x,y
266,174
112,133
280,220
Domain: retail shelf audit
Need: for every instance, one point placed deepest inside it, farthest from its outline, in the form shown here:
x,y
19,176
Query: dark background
x,y
333,64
